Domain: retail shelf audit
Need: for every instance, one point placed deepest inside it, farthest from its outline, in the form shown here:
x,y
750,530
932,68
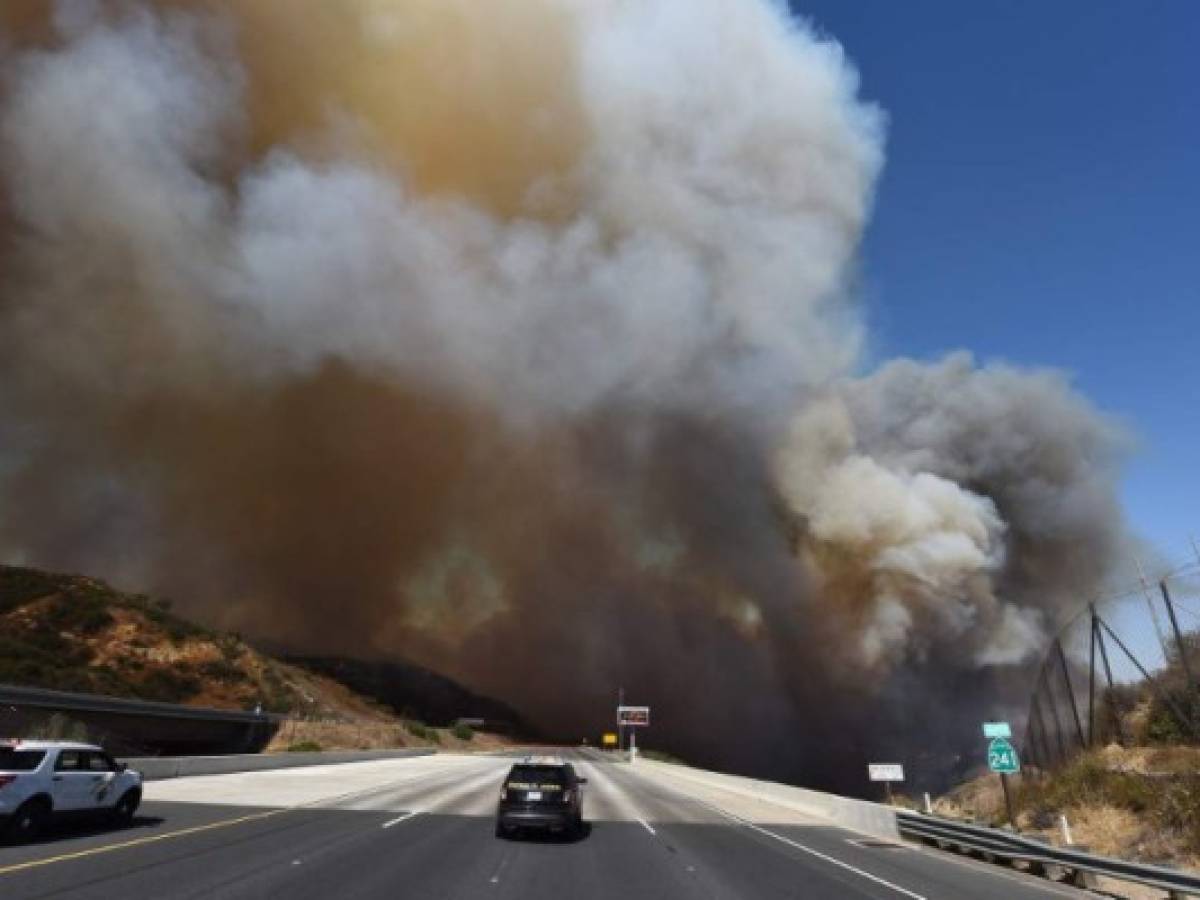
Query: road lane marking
x,y
108,848
646,825
817,853
399,819
198,829
504,861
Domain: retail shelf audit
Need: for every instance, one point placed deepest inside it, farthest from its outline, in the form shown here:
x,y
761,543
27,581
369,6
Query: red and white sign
x,y
636,716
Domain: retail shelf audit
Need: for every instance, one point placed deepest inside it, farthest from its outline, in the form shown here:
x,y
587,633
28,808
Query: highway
x,y
423,828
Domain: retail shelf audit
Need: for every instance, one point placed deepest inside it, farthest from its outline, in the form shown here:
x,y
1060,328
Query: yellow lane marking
x,y
224,823
108,848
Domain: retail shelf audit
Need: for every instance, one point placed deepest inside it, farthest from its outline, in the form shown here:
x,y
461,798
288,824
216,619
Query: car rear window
x,y
538,775
20,760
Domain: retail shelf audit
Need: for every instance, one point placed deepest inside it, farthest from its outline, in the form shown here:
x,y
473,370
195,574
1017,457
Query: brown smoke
x,y
518,344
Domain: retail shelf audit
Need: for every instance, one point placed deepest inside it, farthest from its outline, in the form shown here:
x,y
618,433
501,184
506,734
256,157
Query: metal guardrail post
x,y
1079,865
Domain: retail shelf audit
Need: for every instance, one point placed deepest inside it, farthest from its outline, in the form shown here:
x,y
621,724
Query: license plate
x,y
534,795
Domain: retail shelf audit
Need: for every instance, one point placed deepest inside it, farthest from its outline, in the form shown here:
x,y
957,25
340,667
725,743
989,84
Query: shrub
x,y
304,747
220,670
1163,725
170,685
423,732
59,727
230,646
463,731
82,613
20,586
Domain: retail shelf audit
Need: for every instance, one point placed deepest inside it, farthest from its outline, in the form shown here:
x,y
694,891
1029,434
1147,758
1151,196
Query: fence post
x,y
1183,654
1112,700
1044,751
1058,729
1092,679
1183,720
1062,661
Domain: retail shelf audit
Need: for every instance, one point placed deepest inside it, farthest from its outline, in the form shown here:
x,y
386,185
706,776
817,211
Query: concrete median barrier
x,y
873,819
156,768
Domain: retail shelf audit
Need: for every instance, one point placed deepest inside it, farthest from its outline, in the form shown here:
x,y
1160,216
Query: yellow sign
x,y
609,740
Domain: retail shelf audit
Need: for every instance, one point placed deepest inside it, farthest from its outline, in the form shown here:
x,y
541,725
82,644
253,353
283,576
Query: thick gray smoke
x,y
520,346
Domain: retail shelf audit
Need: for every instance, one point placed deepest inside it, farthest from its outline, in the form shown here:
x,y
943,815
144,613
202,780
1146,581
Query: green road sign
x,y
1002,757
996,730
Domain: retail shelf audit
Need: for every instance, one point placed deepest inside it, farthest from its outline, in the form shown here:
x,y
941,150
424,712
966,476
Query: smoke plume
x,y
519,342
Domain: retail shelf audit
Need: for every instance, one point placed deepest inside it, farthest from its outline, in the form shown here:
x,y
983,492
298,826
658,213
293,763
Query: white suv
x,y
40,780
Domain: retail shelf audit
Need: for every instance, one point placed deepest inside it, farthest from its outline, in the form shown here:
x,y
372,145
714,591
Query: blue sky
x,y
1039,206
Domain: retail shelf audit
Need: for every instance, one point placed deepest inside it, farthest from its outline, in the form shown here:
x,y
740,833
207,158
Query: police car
x,y
44,780
543,793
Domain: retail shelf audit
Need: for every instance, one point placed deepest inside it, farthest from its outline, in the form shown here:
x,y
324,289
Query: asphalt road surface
x,y
424,828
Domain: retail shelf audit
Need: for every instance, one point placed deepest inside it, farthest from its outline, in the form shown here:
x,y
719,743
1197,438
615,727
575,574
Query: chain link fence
x,y
1125,670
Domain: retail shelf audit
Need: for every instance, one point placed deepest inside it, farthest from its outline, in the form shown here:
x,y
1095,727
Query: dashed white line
x,y
646,825
399,819
816,853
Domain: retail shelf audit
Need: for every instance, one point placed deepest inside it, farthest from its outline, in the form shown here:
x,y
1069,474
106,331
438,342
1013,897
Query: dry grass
x,y
1138,803
374,735
980,799
1168,760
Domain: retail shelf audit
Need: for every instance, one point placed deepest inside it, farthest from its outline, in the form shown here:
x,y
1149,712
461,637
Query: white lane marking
x,y
399,795
1026,880
608,792
816,853
399,819
616,795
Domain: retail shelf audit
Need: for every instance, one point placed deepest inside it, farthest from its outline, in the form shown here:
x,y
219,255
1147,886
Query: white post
x,y
632,743
928,805
1066,831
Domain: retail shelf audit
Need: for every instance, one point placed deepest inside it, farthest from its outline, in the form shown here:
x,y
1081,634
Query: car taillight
x,y
6,780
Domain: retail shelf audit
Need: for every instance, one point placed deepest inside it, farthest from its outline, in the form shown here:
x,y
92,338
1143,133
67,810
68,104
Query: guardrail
x,y
43,698
993,844
140,727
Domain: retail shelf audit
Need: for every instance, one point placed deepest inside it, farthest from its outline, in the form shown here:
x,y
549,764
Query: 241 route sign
x,y
1002,757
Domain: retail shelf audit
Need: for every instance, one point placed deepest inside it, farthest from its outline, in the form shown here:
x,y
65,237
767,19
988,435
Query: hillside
x,y
1140,801
74,633
414,691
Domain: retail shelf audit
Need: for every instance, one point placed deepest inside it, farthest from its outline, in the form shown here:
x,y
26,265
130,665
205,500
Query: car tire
x,y
28,821
123,812
501,831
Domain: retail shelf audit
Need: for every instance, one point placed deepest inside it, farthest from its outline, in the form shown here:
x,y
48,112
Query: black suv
x,y
541,794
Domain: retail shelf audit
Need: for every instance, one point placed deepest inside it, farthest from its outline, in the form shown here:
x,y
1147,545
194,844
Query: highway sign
x,y
1002,757
638,716
608,739
885,771
996,730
